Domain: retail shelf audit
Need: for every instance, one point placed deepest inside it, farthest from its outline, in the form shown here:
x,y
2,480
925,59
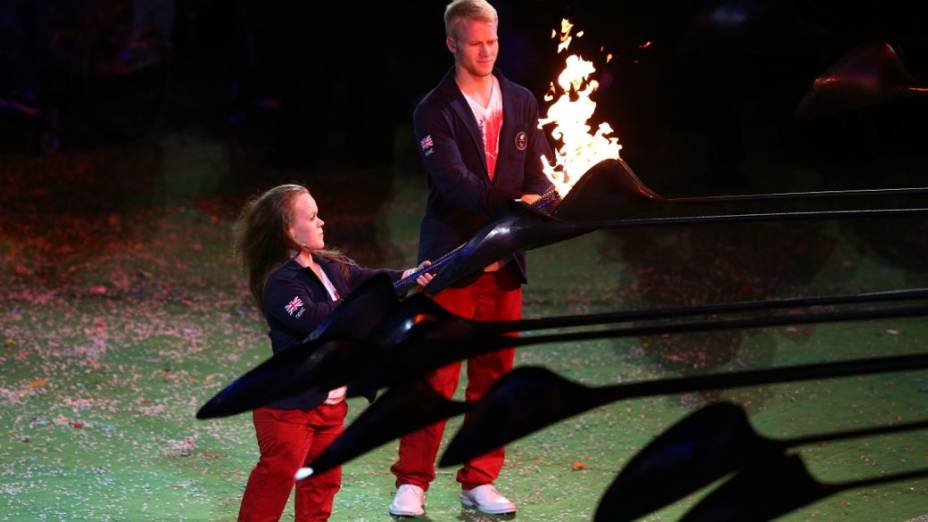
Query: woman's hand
x,y
423,279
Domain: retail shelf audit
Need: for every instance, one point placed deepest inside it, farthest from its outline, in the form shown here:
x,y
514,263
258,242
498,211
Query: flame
x,y
574,107
566,26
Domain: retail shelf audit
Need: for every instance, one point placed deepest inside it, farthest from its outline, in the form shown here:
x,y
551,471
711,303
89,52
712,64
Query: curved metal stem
x,y
527,325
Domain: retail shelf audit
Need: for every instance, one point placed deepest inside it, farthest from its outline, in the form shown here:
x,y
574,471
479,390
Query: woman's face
x,y
305,223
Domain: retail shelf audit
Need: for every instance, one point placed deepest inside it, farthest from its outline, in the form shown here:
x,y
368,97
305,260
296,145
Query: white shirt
x,y
489,121
338,394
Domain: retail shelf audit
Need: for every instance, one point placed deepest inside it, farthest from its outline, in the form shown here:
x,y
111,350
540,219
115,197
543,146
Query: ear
x,y
290,233
452,44
290,237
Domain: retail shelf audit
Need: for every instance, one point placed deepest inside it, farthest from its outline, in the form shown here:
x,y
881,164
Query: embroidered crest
x,y
521,140
426,144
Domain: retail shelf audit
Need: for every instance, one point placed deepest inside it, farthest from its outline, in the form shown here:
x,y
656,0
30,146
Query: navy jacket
x,y
295,302
462,199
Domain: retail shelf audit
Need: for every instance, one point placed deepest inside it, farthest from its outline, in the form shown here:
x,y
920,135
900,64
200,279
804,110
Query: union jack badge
x,y
295,304
426,145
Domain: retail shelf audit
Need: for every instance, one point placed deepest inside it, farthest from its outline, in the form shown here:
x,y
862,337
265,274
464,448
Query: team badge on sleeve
x,y
521,140
426,145
295,306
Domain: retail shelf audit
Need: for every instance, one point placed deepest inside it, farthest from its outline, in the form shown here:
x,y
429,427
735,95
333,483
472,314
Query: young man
x,y
478,136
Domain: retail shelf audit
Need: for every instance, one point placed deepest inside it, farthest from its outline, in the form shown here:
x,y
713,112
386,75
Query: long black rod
x,y
526,325
547,199
601,396
755,217
778,196
409,280
875,481
589,226
854,434
723,324
807,372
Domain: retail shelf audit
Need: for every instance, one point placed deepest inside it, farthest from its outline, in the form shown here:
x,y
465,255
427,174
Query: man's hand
x,y
530,199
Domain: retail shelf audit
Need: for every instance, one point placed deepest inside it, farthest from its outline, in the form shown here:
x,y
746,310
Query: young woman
x,y
296,282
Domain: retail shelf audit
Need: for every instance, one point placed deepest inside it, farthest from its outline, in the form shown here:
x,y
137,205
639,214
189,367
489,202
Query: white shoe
x,y
485,498
408,502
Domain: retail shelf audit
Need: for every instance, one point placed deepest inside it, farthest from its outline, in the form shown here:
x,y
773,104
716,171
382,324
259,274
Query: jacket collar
x,y
449,88
326,265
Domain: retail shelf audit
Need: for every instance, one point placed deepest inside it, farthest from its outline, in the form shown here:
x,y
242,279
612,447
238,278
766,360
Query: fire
x,y
570,113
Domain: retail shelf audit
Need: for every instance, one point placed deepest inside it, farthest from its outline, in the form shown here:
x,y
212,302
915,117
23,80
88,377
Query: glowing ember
x,y
580,149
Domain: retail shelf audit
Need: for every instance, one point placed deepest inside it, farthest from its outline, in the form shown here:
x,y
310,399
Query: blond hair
x,y
460,10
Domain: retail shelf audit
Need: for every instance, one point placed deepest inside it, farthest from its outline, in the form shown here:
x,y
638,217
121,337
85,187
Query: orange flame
x,y
580,149
566,26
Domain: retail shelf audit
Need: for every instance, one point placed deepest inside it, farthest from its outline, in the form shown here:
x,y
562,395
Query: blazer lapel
x,y
506,133
463,111
335,276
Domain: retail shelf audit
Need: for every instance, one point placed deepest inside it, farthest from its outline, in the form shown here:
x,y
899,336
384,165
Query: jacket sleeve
x,y
535,181
445,166
358,274
291,303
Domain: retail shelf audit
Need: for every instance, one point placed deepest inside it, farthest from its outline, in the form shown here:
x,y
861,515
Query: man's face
x,y
475,47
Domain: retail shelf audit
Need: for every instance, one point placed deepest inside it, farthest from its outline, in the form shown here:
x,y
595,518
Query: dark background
x,y
104,106
714,92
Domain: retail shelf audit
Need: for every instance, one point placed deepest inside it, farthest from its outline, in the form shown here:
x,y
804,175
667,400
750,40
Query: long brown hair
x,y
262,239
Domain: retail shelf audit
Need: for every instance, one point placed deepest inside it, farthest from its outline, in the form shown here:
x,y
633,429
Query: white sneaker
x,y
408,501
485,498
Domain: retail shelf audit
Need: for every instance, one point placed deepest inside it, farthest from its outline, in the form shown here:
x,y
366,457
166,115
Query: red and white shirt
x,y
489,121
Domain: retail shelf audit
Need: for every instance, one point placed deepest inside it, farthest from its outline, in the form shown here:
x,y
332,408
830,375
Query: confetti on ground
x,y
123,312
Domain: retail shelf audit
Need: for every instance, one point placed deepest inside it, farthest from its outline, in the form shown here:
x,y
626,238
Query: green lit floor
x,y
119,321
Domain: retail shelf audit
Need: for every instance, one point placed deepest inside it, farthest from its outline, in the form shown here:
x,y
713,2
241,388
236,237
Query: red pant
x,y
289,440
494,296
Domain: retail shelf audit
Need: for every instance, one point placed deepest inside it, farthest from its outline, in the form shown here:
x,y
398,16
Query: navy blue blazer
x,y
462,199
295,302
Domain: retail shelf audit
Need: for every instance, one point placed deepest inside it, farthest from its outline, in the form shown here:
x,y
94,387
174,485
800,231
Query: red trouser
x,y
494,296
288,440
